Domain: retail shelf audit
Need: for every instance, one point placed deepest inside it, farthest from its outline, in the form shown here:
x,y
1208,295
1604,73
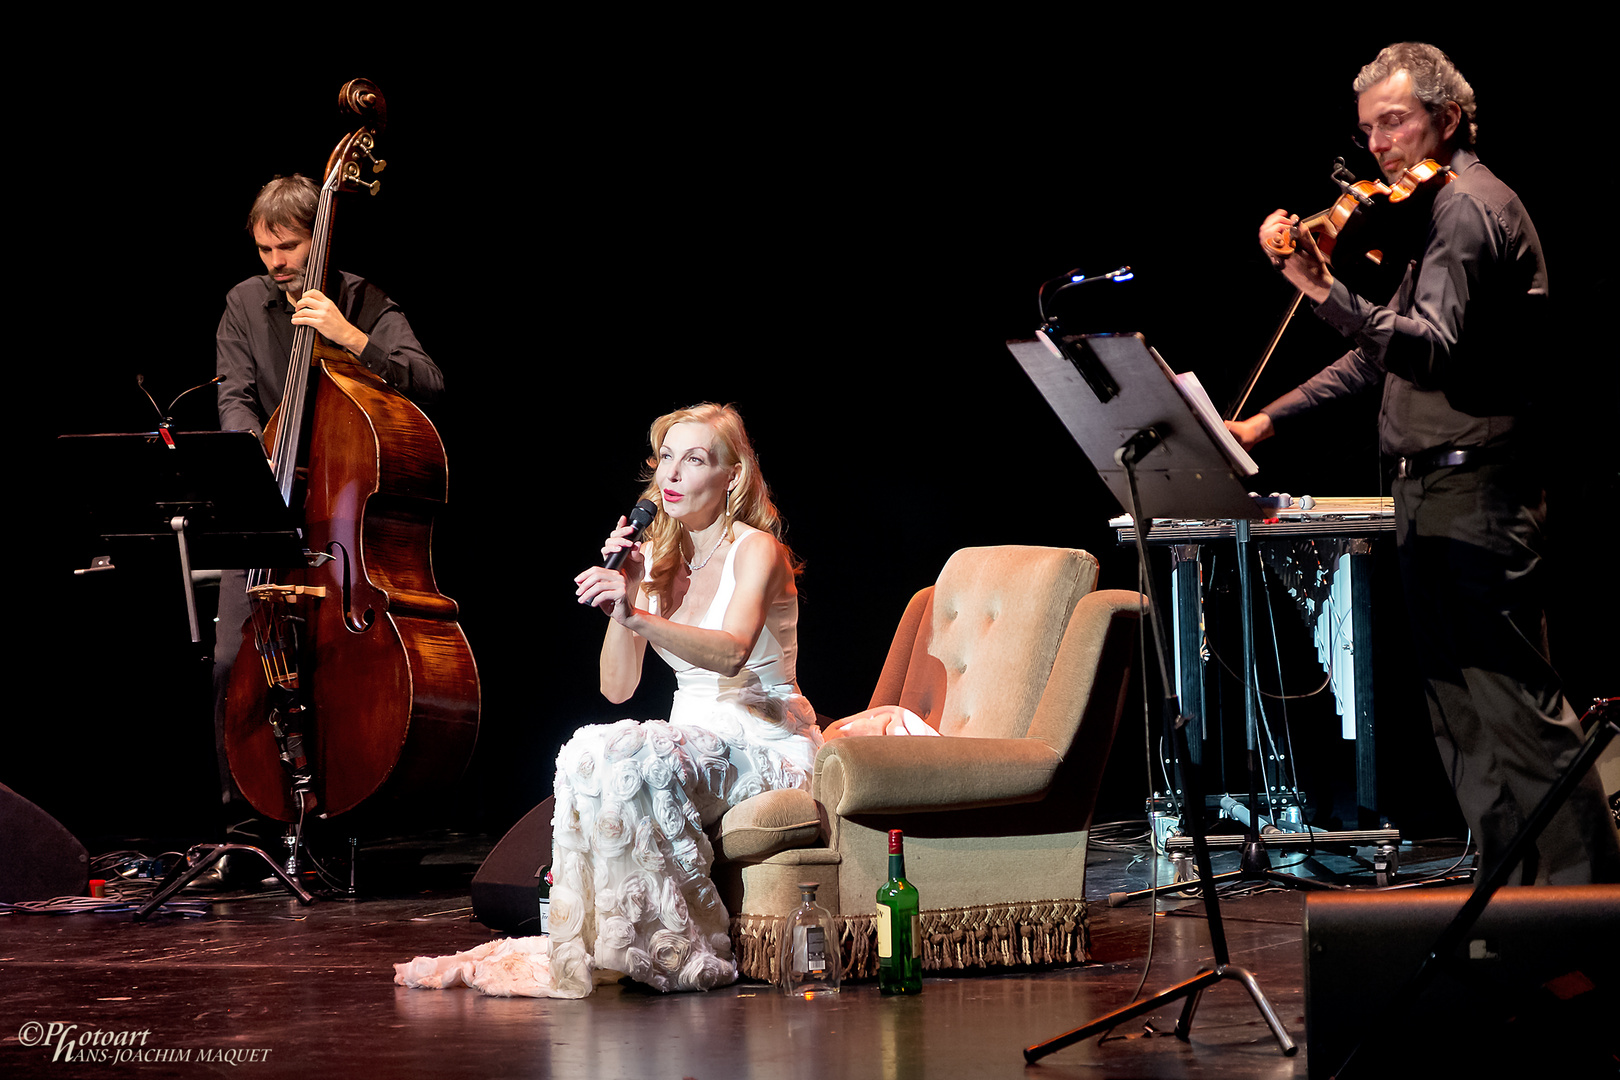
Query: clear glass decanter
x,y
809,962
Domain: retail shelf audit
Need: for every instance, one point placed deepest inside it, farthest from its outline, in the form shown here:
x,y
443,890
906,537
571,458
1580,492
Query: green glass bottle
x,y
899,927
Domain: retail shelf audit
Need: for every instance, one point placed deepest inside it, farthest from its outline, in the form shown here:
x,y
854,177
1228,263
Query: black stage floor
x,y
262,987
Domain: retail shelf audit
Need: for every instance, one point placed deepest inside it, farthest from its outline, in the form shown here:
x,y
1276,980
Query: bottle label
x,y
809,949
885,933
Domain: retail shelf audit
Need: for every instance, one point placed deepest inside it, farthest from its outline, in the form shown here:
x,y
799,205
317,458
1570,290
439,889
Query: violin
x,y
1358,194
1325,229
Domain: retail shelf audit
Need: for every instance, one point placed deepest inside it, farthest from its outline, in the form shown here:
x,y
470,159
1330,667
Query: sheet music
x,y
1198,398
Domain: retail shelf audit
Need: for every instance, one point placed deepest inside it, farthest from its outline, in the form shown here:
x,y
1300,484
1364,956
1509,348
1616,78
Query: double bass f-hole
x,y
363,622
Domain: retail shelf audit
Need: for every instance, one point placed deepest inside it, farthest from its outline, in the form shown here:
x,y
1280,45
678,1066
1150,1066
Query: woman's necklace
x,y
693,568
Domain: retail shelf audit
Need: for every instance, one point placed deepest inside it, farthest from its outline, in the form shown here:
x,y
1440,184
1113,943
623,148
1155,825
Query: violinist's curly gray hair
x,y
1435,81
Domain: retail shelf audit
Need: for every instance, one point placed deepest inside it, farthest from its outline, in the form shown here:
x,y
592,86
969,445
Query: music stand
x,y
209,490
1194,474
1160,454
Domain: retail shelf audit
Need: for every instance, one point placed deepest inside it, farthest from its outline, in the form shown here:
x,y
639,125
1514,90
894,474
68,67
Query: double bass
x,y
354,679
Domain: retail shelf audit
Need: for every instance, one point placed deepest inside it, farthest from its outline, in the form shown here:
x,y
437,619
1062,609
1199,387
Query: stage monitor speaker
x,y
506,889
39,858
1535,984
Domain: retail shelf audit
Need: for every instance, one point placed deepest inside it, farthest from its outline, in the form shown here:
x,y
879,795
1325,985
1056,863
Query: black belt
x,y
1449,457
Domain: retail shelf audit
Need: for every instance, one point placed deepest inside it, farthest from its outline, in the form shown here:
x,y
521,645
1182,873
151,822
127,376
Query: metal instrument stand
x,y
1267,825
1256,862
216,852
1354,521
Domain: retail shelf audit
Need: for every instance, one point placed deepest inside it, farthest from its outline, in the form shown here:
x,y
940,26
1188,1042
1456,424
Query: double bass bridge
x,y
286,593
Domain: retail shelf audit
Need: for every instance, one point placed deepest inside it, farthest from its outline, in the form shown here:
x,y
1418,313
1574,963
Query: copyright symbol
x,y
31,1033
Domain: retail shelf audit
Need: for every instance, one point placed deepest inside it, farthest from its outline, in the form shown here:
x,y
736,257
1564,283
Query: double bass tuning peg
x,y
366,142
351,175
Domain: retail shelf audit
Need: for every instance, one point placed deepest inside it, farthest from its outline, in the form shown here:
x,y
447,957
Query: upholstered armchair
x,y
1022,668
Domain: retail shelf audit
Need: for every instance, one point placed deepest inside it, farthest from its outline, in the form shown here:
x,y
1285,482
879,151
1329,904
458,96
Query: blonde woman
x,y
712,589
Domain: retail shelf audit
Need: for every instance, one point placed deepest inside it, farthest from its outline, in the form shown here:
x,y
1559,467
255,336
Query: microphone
x,y
640,516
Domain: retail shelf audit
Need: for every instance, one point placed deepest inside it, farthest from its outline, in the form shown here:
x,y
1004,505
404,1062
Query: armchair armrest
x,y
888,774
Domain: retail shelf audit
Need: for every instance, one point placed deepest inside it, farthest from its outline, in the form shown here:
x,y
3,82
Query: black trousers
x,y
1470,539
233,614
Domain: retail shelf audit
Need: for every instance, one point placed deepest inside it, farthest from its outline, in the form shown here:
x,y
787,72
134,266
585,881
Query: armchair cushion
x,y
768,823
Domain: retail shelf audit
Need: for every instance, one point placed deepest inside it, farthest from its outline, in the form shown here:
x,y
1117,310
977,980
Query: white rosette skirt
x,y
631,889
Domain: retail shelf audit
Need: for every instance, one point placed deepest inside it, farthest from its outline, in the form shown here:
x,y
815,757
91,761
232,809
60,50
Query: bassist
x,y
252,346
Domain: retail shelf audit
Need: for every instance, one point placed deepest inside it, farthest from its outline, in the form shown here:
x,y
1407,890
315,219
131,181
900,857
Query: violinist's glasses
x,y
1386,125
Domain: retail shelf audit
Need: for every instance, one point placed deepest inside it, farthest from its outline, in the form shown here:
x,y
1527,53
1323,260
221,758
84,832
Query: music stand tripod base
x,y
1193,990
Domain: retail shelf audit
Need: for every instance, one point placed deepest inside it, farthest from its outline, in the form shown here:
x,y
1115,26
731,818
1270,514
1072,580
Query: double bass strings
x,y
280,669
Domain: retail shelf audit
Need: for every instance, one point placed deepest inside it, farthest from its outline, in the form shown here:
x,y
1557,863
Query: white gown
x,y
631,889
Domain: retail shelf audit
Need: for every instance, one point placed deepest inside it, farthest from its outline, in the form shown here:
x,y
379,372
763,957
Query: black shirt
x,y
255,338
1450,345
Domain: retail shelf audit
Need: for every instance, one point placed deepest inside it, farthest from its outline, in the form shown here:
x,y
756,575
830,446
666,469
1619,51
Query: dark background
x,y
835,227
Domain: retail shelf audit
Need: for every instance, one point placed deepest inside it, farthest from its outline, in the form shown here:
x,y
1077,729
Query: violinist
x,y
252,347
1469,503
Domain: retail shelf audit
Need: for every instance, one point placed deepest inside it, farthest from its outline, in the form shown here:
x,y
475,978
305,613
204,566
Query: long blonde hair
x,y
666,542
